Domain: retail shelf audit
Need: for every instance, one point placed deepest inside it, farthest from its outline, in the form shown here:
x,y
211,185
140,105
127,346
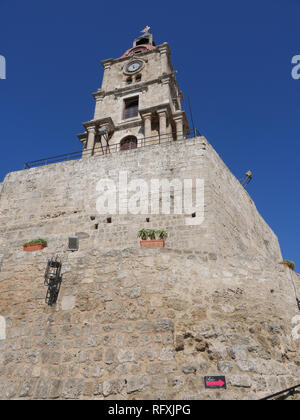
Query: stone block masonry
x,y
142,323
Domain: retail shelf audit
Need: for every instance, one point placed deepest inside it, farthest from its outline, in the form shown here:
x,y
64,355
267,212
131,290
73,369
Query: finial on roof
x,y
146,30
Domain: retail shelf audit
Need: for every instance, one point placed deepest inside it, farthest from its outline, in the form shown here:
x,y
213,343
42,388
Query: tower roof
x,y
145,39
142,43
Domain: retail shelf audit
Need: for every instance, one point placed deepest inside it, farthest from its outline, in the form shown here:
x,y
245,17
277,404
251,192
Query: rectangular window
x,y
131,108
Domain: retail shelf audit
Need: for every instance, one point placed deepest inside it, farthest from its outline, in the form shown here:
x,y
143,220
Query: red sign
x,y
215,382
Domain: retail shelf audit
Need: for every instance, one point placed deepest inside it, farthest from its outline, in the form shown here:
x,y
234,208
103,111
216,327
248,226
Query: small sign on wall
x,y
215,382
73,243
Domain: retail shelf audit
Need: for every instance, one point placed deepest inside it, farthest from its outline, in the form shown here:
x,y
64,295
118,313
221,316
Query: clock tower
x,y
139,102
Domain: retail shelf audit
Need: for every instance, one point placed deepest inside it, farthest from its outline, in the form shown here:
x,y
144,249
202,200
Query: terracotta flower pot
x,y
284,263
34,247
150,243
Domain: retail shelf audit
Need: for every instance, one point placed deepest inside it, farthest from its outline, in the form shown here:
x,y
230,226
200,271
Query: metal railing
x,y
289,391
53,159
104,149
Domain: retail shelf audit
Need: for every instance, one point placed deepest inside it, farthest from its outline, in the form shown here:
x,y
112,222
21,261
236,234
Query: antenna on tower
x,y
190,108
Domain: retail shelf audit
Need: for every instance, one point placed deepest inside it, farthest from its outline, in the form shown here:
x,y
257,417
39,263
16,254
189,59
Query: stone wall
x,y
135,323
115,78
60,200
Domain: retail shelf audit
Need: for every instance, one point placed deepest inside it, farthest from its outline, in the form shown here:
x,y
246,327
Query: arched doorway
x,y
129,142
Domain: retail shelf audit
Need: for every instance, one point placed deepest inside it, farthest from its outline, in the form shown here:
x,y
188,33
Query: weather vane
x,y
146,30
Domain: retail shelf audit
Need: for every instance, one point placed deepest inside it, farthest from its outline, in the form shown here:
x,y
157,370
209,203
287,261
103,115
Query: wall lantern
x,y
53,280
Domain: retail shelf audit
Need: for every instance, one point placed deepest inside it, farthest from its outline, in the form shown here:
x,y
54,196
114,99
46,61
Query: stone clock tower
x,y
134,323
139,102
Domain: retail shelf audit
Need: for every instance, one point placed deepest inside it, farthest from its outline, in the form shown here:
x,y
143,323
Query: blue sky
x,y
233,59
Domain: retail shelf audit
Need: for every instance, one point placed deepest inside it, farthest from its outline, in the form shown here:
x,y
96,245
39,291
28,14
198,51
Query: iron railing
x,y
103,149
289,391
53,159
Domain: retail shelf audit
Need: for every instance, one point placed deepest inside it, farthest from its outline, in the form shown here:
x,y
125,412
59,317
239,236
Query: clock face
x,y
134,66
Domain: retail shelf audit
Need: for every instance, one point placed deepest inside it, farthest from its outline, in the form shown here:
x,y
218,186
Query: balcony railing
x,y
103,149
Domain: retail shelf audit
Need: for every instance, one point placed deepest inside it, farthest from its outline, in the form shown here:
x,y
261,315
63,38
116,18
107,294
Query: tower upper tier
x,y
139,99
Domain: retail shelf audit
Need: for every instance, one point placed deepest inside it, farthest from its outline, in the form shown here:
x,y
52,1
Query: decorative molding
x,y
181,115
166,79
100,123
145,114
164,48
139,49
129,89
123,58
99,95
107,63
142,86
82,138
91,129
129,124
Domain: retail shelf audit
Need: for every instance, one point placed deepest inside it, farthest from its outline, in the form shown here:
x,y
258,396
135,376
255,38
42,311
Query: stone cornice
x,y
141,86
182,115
126,90
99,94
82,137
157,49
145,113
164,48
107,63
156,108
177,115
100,122
137,122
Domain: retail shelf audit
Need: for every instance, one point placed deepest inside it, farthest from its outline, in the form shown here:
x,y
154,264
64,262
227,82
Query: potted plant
x,y
149,238
35,245
289,264
162,234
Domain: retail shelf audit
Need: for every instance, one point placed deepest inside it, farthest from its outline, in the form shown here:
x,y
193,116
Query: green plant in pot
x,y
149,238
162,234
35,245
143,234
289,264
152,234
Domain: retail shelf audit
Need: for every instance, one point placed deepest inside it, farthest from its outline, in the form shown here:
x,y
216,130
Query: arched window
x,y
128,143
